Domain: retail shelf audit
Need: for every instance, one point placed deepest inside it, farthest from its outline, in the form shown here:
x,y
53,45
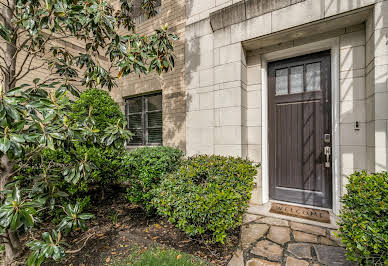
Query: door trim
x,y
329,44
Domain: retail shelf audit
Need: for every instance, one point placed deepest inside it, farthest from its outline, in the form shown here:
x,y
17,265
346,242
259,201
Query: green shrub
x,y
104,109
143,169
207,195
364,218
105,161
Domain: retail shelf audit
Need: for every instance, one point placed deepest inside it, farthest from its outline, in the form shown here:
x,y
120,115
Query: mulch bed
x,y
111,237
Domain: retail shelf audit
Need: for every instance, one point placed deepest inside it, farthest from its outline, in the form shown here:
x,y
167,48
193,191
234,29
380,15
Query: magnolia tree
x,y
36,116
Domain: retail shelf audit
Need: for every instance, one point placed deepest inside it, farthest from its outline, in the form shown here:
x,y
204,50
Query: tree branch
x,y
78,250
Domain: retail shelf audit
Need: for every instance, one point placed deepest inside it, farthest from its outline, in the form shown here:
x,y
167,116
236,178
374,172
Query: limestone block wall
x,y
352,102
377,87
225,90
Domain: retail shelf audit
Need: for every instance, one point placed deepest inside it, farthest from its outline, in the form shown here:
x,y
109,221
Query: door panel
x,y
299,117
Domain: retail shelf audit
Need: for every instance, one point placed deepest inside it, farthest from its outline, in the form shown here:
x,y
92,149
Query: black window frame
x,y
144,119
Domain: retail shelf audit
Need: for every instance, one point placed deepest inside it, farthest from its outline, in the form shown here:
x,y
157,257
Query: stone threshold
x,y
264,210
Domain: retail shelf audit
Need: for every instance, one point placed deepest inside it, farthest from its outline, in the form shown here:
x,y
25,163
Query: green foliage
x,y
33,120
143,169
15,213
33,124
206,195
97,25
364,218
50,247
74,218
156,256
99,160
104,110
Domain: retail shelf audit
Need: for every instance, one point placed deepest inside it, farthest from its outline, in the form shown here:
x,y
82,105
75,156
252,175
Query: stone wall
x,y
225,90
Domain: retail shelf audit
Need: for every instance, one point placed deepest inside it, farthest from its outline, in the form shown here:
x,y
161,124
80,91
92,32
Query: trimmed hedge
x,y
206,195
104,109
364,218
143,169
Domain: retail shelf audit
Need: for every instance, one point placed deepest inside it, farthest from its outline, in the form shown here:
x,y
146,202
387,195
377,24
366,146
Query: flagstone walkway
x,y
274,242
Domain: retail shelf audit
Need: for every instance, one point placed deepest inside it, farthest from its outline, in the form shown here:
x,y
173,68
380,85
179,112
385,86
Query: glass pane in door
x,y
313,77
282,81
296,79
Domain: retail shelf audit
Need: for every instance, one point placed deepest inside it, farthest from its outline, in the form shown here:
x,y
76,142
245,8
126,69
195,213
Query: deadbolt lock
x,y
327,138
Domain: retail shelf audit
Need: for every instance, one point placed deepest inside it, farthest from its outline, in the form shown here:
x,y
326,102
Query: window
x,y
298,79
144,116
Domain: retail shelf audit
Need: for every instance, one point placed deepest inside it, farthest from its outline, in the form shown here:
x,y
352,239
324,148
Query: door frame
x,y
328,44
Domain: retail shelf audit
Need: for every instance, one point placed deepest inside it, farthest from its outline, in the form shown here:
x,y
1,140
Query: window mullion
x,y
142,119
145,120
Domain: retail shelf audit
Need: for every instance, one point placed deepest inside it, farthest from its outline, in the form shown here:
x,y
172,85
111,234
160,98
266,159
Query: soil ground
x,y
119,227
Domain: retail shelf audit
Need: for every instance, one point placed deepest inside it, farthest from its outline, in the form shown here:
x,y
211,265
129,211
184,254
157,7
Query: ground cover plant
x,y
144,168
364,218
158,256
207,196
36,116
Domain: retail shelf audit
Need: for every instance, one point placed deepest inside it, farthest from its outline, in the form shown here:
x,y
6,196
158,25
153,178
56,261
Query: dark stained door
x,y
300,130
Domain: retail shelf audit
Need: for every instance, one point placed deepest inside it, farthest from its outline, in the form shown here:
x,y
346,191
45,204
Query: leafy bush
x,y
104,161
206,195
103,108
364,218
143,169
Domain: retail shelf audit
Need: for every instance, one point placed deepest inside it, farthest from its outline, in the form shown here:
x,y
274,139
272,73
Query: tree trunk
x,y
10,49
13,247
12,244
6,168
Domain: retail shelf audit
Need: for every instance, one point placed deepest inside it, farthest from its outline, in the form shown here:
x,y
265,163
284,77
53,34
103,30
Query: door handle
x,y
327,152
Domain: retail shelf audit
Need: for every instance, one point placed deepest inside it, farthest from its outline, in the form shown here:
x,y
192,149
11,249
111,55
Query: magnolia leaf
x,y
4,145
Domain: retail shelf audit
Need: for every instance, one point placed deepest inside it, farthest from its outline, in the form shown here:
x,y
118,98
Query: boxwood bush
x,y
364,218
143,168
207,195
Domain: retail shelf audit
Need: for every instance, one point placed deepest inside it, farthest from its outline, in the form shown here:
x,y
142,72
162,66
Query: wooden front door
x,y
300,138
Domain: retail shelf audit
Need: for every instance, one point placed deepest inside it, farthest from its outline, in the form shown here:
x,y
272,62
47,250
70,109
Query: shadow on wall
x,y
340,5
381,86
364,98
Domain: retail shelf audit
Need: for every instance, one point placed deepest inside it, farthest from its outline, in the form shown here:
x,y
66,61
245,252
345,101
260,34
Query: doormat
x,y
301,212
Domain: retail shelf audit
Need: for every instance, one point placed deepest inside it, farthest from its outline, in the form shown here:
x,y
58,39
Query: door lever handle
x,y
327,152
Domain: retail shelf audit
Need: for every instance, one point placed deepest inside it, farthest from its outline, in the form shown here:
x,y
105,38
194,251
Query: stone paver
x,y
331,255
308,228
326,241
279,234
251,233
303,237
268,250
274,221
300,250
259,262
295,262
274,242
237,259
250,218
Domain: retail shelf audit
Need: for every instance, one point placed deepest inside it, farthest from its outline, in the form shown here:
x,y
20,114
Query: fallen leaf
x,y
107,259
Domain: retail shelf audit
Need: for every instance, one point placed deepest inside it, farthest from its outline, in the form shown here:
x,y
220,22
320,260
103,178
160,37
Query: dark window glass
x,y
145,119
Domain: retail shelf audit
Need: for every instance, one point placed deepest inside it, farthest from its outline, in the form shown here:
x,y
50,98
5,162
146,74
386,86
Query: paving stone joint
x,y
271,241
